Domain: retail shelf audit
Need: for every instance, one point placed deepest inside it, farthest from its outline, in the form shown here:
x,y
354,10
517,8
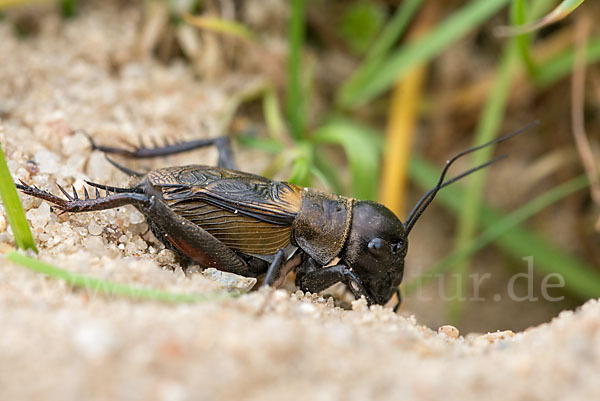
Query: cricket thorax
x,y
322,224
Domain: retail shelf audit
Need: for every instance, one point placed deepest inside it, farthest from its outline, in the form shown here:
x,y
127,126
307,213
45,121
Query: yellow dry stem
x,y
399,140
402,118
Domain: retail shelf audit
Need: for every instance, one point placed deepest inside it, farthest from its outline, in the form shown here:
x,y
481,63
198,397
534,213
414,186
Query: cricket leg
x,y
222,144
75,204
321,279
191,240
280,268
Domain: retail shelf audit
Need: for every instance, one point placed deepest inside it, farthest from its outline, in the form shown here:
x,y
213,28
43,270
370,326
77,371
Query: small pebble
x,y
499,335
307,308
94,244
94,340
360,305
47,161
44,211
141,244
75,144
94,229
449,331
98,167
230,281
136,217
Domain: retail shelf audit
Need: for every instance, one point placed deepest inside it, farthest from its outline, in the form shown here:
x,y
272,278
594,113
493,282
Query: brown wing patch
x,y
238,232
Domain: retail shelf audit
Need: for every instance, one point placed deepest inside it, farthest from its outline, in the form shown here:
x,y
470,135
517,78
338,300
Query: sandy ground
x,y
60,343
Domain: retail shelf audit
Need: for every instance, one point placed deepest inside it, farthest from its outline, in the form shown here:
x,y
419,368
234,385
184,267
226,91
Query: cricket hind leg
x,y
191,241
182,258
75,204
222,144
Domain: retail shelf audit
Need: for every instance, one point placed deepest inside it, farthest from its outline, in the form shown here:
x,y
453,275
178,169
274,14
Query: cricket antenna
x,y
424,202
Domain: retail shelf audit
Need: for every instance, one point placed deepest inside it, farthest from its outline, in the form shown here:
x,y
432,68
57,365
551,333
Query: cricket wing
x,y
248,213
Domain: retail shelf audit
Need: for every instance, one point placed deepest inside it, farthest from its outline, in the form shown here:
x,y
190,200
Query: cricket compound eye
x,y
376,246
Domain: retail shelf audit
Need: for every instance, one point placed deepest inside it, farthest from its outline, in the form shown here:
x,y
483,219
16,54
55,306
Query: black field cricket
x,y
252,226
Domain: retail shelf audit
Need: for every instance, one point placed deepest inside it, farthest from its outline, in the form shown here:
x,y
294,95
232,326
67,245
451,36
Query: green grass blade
x,y
13,208
393,29
303,156
560,65
68,8
580,279
301,173
537,8
330,171
565,8
362,146
540,7
272,114
267,144
296,111
320,175
391,33
360,23
109,288
359,91
496,230
524,40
